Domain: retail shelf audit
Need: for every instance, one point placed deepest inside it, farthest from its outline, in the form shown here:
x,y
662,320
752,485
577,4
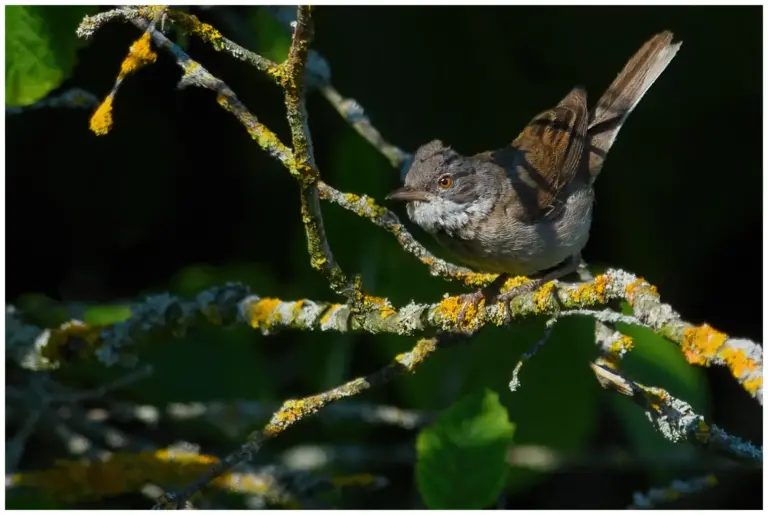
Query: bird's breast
x,y
506,244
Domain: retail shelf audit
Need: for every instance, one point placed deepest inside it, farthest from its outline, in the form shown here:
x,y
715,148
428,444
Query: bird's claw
x,y
471,300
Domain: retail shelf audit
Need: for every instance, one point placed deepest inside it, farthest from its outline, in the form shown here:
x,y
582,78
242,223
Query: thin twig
x,y
678,488
233,417
349,109
294,411
292,81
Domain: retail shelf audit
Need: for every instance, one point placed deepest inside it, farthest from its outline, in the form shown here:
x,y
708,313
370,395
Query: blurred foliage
x,y
40,49
178,198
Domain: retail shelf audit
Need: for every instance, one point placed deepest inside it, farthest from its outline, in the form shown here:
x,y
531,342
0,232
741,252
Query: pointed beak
x,y
406,194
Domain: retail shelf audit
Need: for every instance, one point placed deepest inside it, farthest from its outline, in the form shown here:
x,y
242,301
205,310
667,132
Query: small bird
x,y
526,209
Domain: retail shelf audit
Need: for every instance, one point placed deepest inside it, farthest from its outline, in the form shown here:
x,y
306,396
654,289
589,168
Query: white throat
x,y
441,215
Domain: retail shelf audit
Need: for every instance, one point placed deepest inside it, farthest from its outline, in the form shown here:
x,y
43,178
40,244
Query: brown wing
x,y
545,157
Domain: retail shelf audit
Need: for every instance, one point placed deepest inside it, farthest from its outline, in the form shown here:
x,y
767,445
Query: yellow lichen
x,y
656,397
263,312
637,286
370,303
512,282
591,293
352,198
140,54
296,310
542,297
291,411
738,361
64,341
189,66
75,481
449,310
375,209
475,278
752,385
700,344
317,262
328,312
101,121
703,433
207,32
623,344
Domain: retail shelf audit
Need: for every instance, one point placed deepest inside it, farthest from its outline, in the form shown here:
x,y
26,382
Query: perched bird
x,y
526,208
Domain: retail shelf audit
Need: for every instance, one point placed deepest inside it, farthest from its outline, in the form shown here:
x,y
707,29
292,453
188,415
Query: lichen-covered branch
x,y
349,109
293,411
189,23
159,317
676,420
355,116
162,315
233,417
291,78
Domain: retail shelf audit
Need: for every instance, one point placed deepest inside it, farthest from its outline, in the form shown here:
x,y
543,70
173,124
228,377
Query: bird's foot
x,y
506,297
471,307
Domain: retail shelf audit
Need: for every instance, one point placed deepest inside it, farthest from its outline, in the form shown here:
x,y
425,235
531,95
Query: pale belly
x,y
519,248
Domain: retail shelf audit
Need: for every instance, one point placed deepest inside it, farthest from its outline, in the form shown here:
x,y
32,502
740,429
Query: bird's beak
x,y
407,194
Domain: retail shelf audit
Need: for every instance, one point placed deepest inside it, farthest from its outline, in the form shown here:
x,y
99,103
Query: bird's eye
x,y
445,181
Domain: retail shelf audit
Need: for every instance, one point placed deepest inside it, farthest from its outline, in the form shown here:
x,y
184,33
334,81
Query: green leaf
x,y
461,457
40,49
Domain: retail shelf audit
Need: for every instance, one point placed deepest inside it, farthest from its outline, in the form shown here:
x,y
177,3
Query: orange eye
x,y
445,181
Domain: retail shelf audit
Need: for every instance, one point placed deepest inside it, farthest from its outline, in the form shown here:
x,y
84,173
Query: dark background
x,y
178,197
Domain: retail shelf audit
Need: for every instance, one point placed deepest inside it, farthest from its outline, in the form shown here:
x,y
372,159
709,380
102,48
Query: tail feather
x,y
624,93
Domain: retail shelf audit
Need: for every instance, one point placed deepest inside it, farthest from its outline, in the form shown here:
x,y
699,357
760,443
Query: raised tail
x,y
624,93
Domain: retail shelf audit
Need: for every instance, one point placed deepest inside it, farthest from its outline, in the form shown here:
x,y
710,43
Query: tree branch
x,y
675,419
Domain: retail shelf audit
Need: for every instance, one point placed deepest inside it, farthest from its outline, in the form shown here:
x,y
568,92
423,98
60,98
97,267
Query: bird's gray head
x,y
444,189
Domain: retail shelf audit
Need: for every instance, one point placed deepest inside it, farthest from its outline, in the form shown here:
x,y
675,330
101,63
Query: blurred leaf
x,y
274,40
105,315
461,457
196,278
40,49
42,310
31,499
